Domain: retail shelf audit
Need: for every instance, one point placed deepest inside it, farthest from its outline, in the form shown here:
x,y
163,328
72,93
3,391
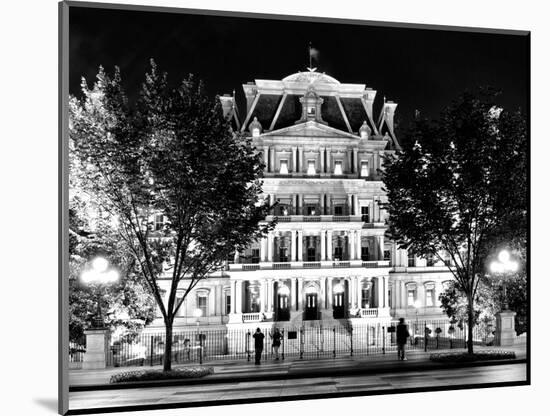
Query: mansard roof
x,y
345,108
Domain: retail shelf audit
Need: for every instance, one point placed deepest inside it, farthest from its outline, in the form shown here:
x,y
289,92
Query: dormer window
x,y
311,111
337,167
311,167
284,167
364,169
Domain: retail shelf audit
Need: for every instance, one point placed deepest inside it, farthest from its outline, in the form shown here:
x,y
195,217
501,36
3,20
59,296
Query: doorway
x,y
311,306
283,310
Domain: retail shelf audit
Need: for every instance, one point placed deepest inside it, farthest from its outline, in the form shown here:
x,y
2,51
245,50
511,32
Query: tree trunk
x,y
470,324
167,362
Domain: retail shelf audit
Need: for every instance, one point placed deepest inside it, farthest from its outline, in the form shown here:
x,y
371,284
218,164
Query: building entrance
x,y
311,306
338,311
283,310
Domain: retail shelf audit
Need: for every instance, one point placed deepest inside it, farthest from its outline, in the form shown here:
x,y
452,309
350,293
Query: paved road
x,y
188,395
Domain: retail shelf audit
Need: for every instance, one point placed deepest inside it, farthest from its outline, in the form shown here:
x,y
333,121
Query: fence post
x,y
367,340
283,349
351,338
248,345
425,337
302,342
200,347
334,342
151,354
383,339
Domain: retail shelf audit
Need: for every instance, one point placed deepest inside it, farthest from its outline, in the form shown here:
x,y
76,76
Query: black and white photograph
x,y
267,208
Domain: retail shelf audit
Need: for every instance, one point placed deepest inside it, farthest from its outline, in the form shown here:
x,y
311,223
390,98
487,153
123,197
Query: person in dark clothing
x,y
276,342
258,345
401,335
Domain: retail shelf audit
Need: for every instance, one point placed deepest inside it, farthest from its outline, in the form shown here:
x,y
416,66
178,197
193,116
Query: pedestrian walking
x,y
276,342
402,333
258,345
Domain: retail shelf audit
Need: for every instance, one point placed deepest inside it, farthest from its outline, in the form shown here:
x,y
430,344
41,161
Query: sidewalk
x,y
291,367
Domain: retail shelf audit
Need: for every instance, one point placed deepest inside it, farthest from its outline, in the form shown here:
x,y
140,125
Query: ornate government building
x,y
327,259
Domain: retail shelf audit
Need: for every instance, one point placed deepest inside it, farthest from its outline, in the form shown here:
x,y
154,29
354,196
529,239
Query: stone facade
x,y
328,258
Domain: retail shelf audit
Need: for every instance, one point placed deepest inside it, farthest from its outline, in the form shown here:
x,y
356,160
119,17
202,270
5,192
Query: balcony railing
x,y
325,218
368,312
252,317
325,264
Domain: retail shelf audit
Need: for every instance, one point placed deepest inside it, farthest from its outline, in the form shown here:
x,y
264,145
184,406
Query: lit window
x,y
411,259
255,132
365,214
430,294
364,168
311,167
311,111
284,167
202,303
430,297
411,296
365,298
159,222
338,167
227,304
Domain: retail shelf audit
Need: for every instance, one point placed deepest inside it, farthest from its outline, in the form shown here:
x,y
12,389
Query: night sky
x,y
418,68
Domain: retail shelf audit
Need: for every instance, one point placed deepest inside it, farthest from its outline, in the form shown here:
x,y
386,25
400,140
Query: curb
x,y
228,377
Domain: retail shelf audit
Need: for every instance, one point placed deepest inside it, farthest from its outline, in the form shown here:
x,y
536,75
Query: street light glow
x,y
504,256
100,264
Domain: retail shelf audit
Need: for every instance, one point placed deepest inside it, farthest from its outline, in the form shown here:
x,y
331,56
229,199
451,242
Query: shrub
x,y
152,375
461,357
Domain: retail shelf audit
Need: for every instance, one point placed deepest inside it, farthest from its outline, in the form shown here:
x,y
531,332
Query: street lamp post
x,y
502,267
99,274
197,313
416,307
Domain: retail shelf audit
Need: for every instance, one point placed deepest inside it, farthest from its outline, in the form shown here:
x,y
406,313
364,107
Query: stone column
x,y
262,250
376,163
329,293
380,287
301,158
270,295
239,297
263,296
293,245
299,295
272,157
322,159
293,164
233,288
300,245
359,292
352,244
323,245
329,244
266,160
386,289
380,243
357,210
270,246
322,204
348,161
349,204
355,162
358,248
293,295
96,348
329,165
236,257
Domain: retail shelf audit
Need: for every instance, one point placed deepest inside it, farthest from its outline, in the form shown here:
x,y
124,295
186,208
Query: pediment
x,y
311,129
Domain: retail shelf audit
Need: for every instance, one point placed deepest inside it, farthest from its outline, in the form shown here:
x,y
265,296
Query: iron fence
x,y
308,341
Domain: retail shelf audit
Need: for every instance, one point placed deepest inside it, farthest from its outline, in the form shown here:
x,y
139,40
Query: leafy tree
x,y
459,187
126,305
172,154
